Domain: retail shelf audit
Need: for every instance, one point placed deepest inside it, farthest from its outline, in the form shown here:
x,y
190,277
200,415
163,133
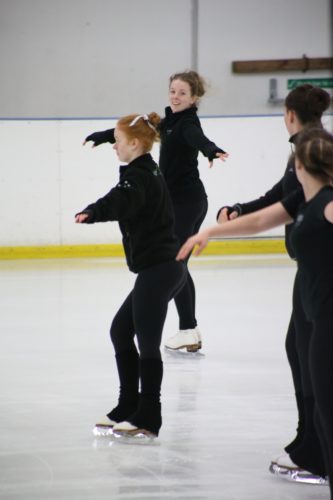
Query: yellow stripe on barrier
x,y
225,247
245,246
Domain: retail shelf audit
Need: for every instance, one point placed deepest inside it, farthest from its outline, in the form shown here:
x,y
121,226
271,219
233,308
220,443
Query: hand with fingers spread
x,y
222,156
200,239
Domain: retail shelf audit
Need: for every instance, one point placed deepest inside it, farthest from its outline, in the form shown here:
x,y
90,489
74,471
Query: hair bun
x,y
318,100
154,119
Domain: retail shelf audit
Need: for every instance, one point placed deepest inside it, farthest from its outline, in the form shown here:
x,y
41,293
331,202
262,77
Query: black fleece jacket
x,y
181,140
142,205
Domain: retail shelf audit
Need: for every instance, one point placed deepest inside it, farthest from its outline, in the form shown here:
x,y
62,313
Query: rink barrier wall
x,y
226,247
50,176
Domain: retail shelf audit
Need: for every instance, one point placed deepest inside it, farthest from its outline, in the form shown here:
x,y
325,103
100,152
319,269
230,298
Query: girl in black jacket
x,y
182,138
304,107
141,203
311,239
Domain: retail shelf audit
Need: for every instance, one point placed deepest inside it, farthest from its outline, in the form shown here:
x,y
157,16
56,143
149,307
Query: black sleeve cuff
x,y
212,154
235,208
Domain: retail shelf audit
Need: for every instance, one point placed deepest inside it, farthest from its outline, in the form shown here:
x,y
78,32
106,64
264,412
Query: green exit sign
x,y
324,83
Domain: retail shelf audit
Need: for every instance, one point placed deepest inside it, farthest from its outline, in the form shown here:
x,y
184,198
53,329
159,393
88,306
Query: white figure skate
x,y
104,427
282,466
185,339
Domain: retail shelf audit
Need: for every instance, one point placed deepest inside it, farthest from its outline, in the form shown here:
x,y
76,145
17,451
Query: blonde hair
x,y
141,127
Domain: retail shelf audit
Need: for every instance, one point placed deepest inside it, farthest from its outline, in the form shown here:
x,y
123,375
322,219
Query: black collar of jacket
x,y
144,161
170,115
293,138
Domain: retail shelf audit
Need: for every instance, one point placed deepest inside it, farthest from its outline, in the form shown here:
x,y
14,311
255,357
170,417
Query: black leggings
x,y
321,369
298,343
305,450
189,217
144,311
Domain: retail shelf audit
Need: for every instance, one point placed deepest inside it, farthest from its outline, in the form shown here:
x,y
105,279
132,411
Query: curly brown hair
x,y
195,81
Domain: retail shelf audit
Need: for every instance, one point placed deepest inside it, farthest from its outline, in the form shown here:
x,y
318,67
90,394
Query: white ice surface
x,y
226,412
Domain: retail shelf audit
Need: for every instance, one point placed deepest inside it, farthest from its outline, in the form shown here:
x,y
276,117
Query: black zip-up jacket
x,y
140,202
278,192
182,138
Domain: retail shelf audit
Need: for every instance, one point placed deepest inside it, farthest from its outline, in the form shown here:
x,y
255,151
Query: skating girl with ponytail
x,y
304,108
141,203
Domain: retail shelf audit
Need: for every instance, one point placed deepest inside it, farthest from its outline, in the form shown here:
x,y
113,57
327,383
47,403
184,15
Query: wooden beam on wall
x,y
271,65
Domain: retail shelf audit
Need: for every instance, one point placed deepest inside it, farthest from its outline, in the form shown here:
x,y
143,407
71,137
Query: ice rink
x,y
226,411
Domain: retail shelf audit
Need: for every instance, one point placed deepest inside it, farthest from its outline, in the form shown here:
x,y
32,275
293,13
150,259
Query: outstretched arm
x,y
124,200
254,223
194,136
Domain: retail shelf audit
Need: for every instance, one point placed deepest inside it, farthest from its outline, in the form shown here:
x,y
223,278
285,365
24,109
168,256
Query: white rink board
x,y
47,175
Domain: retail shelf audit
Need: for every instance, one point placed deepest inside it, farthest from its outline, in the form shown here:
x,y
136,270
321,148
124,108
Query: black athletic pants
x,y
321,370
143,314
189,217
144,311
305,450
297,344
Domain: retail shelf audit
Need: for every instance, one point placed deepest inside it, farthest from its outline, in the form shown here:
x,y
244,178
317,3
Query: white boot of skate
x,y
185,339
104,427
285,468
